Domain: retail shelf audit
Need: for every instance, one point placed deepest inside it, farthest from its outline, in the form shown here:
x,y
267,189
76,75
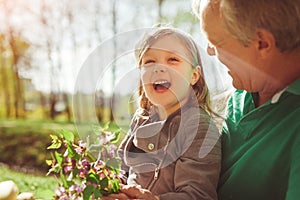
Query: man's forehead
x,y
209,4
209,13
211,22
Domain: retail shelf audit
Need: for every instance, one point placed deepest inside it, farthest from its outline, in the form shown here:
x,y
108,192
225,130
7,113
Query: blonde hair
x,y
243,17
200,88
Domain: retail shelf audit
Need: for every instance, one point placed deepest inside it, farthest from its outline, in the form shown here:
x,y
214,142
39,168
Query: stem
x,y
91,157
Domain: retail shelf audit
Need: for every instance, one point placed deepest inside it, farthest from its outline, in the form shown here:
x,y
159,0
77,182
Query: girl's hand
x,y
135,192
118,196
132,192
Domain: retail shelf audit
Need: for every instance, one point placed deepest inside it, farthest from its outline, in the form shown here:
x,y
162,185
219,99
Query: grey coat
x,y
175,159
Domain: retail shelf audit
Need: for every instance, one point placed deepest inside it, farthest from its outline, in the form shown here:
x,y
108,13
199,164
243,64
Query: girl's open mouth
x,y
161,85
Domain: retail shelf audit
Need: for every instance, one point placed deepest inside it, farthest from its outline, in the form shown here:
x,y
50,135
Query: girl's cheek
x,y
145,77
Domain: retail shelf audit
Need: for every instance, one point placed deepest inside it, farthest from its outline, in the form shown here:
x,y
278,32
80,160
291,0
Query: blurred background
x,y
43,46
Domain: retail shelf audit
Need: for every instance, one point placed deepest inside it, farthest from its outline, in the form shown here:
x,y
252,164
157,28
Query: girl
x,y
172,150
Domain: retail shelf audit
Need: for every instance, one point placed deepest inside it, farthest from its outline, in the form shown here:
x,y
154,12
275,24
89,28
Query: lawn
x,y
42,186
24,143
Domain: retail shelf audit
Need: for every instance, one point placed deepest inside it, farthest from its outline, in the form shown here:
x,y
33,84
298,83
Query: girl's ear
x,y
196,75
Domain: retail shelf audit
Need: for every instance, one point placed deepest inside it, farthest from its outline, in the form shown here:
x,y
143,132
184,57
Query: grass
x,y
41,186
24,143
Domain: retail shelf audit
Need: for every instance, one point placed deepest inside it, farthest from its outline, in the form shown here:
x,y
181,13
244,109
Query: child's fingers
x,y
137,192
131,190
115,196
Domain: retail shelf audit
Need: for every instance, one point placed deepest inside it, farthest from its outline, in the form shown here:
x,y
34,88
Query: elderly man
x,y
259,42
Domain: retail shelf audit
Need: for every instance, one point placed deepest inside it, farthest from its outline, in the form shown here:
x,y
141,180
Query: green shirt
x,y
261,147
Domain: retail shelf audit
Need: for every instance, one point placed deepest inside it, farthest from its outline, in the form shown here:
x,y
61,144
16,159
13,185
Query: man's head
x,y
250,38
242,18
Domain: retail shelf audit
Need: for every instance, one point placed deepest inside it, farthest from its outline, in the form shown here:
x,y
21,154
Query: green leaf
x,y
87,192
54,137
116,138
64,180
115,185
55,145
97,194
75,172
103,183
69,183
68,135
59,158
93,178
57,168
49,162
60,135
71,152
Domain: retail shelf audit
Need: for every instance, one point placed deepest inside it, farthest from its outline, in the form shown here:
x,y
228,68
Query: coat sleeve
x,y
197,169
136,121
121,150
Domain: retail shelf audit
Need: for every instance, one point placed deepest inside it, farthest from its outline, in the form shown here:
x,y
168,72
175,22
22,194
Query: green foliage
x,y
81,175
23,145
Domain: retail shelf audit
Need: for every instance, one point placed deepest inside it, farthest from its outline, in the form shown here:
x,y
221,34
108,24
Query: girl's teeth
x,y
161,85
160,82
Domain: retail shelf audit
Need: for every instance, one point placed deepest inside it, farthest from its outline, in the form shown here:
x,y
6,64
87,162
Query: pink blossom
x,y
80,149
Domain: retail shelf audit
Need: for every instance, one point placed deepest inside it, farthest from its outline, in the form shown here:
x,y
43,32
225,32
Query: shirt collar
x,y
293,88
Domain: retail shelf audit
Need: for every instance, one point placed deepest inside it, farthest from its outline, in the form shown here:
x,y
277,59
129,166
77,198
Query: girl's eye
x,y
173,59
148,62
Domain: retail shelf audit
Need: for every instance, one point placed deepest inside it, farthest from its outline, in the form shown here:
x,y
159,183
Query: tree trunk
x,y
43,104
18,92
67,104
160,2
53,101
114,20
5,86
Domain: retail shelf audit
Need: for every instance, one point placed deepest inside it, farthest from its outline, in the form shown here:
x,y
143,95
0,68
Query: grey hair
x,y
243,17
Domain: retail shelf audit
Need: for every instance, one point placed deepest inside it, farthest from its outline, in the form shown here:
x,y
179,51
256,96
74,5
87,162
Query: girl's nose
x,y
159,68
210,50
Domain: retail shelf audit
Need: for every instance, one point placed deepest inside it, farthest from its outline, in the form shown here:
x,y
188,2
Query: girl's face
x,y
167,75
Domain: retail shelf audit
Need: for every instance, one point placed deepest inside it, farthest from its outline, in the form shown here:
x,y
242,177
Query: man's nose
x,y
210,50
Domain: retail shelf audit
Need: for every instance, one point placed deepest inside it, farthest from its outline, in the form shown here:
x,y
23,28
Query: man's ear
x,y
196,75
265,42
